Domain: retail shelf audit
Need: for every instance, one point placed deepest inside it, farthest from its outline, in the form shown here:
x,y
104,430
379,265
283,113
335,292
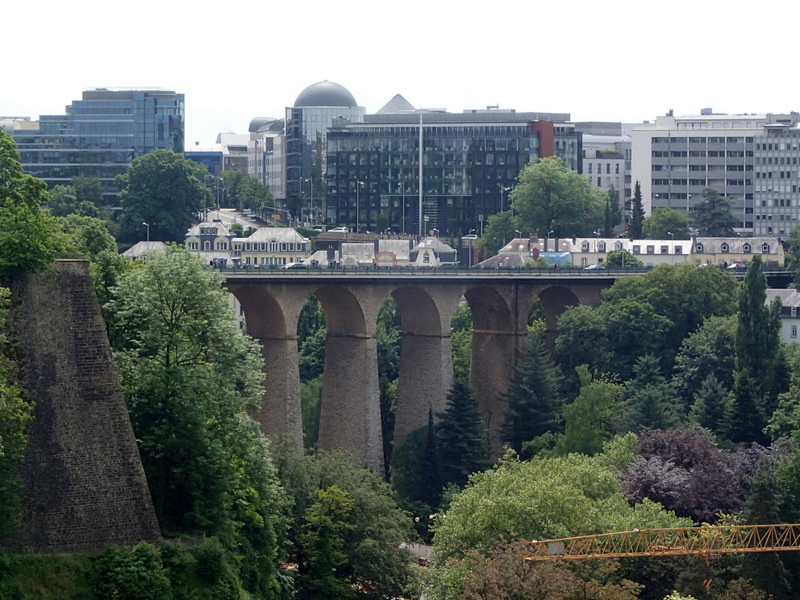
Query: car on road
x,y
294,265
594,268
338,230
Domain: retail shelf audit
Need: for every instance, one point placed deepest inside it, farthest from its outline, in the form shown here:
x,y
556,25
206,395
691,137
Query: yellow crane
x,y
708,541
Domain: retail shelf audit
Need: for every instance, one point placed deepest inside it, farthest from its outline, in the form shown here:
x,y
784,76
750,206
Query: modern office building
x,y
100,135
467,162
266,152
307,124
676,158
777,179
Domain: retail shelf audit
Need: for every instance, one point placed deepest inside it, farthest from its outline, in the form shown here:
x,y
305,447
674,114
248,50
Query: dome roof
x,y
259,123
325,93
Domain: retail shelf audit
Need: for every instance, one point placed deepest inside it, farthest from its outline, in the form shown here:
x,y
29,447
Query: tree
x,y
461,436
28,240
499,229
86,237
164,190
64,201
613,214
637,214
322,540
533,396
648,400
712,217
15,413
761,373
552,197
708,408
623,259
375,566
581,339
588,421
664,221
708,351
189,375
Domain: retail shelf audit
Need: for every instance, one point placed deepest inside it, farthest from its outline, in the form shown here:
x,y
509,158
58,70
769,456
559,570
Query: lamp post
x,y
547,241
148,231
435,232
671,248
402,185
310,181
359,183
518,232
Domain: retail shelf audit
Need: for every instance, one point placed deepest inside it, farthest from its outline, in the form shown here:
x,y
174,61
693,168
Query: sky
x,y
612,60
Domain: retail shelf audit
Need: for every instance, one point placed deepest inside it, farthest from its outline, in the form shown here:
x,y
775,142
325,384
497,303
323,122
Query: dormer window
x,y
601,247
584,246
725,248
747,249
699,247
617,245
765,249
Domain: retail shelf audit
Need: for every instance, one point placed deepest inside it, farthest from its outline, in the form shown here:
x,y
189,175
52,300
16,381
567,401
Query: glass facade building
x,y
100,135
470,161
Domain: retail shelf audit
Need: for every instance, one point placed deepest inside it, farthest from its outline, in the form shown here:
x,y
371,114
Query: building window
x,y
699,247
584,246
794,331
765,249
637,249
746,249
794,311
664,249
651,249
725,248
617,245
601,247
678,249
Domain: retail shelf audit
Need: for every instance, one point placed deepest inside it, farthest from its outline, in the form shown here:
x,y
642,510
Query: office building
x,y
777,179
676,158
468,163
100,135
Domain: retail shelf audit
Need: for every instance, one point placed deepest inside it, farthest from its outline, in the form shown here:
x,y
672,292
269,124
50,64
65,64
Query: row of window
x,y
702,140
600,168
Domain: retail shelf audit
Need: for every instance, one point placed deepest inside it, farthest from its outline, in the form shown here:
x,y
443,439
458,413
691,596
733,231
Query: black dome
x,y
325,93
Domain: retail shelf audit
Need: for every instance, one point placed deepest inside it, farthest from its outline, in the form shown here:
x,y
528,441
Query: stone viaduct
x,y
350,413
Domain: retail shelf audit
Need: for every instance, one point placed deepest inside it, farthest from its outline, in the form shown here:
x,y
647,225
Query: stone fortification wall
x,y
84,485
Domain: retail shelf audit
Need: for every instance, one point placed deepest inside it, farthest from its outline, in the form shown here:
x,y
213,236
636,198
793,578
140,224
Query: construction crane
x,y
707,541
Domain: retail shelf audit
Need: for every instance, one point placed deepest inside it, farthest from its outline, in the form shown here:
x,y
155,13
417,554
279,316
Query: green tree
x,y
708,408
613,214
533,396
461,436
589,420
64,201
189,375
664,221
499,229
636,223
86,237
88,189
28,240
648,400
707,351
552,197
581,339
761,373
374,566
15,413
712,217
622,259
322,540
164,190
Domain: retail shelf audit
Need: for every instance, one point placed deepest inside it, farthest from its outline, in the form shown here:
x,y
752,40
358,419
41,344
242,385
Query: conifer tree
x,y
461,436
761,372
649,400
637,213
708,409
533,396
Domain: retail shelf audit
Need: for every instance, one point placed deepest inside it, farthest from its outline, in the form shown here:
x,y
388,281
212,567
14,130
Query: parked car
x,y
294,265
338,230
594,268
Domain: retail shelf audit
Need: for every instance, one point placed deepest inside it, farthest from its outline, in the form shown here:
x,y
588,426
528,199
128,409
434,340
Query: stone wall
x,y
84,485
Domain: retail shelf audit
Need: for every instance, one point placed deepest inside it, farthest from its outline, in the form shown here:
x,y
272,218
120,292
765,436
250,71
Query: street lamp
x,y
435,232
148,231
672,248
402,185
359,183
310,181
518,232
547,241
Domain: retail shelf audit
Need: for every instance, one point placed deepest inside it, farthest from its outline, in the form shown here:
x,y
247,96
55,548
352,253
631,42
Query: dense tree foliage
x,y
636,222
712,216
613,214
164,190
85,237
189,375
623,259
666,223
28,240
649,400
499,230
361,512
533,397
552,197
462,441
245,191
15,413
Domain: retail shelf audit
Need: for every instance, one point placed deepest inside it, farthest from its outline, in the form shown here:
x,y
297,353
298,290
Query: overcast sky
x,y
613,60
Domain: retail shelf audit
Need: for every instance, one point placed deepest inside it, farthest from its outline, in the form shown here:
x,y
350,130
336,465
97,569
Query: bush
x,y
138,574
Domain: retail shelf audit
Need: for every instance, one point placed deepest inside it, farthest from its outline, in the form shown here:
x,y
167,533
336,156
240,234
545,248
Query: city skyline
x,y
613,61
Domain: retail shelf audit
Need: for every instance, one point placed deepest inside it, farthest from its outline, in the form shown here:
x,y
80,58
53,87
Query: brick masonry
x,y
84,485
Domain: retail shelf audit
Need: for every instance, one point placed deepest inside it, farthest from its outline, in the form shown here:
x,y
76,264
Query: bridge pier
x,y
280,415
